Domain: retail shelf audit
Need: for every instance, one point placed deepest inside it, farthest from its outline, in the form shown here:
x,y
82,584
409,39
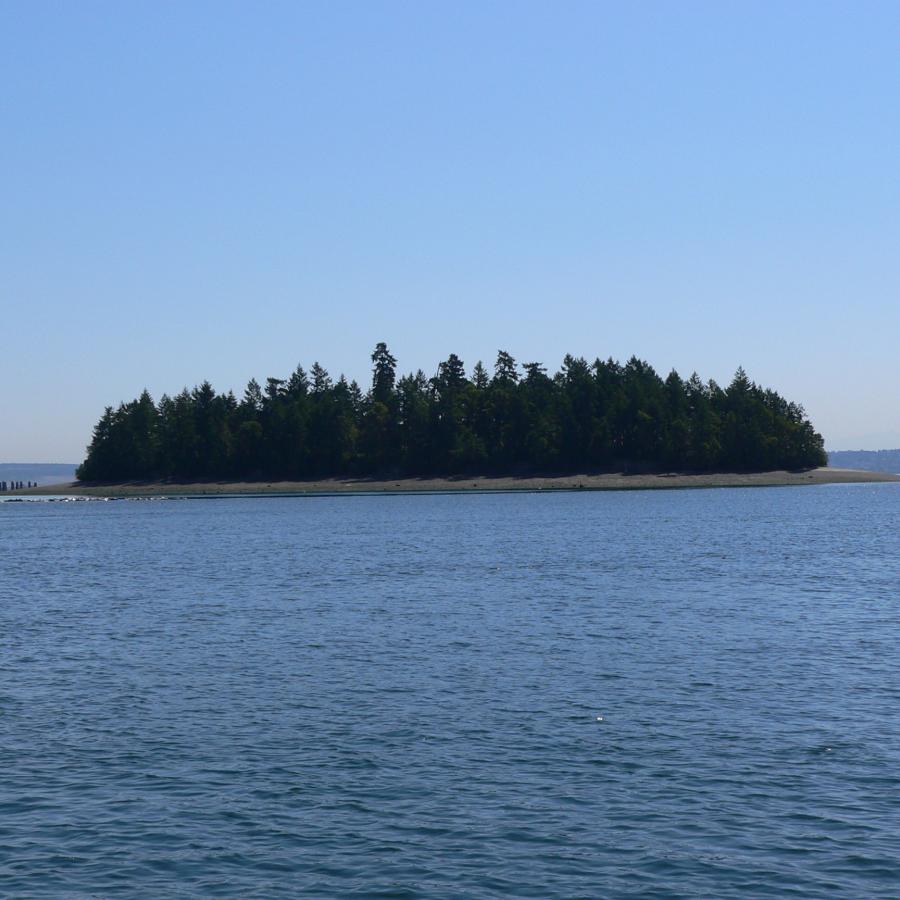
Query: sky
x,y
223,190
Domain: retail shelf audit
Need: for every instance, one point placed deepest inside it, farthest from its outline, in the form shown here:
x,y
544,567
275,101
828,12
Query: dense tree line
x,y
599,416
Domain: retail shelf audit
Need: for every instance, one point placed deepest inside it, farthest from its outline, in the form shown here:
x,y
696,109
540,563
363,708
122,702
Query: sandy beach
x,y
604,482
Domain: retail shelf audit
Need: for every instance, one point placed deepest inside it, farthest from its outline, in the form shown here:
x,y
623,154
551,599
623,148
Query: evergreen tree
x,y
384,369
599,417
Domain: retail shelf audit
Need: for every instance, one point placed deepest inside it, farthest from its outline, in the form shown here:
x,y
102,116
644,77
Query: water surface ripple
x,y
685,694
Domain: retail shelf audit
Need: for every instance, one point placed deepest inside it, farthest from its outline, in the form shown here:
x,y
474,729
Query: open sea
x,y
641,694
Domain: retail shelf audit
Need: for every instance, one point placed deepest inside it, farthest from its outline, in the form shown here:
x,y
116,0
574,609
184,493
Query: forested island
x,y
600,416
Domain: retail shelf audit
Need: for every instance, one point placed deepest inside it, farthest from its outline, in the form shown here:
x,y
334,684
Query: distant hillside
x,y
40,473
870,460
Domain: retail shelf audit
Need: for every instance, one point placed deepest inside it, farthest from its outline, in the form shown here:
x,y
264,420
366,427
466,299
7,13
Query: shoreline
x,y
472,484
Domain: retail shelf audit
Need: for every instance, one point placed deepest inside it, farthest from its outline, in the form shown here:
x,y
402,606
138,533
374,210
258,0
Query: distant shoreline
x,y
604,482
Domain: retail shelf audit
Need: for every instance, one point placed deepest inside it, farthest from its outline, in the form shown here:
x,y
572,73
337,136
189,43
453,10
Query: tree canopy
x,y
599,416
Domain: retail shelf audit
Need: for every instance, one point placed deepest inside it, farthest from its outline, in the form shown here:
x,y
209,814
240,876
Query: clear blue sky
x,y
222,190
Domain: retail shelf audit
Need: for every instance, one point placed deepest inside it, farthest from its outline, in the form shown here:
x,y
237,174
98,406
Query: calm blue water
x,y
399,696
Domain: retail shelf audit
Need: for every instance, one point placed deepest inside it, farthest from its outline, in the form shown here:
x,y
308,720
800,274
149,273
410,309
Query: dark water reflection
x,y
400,696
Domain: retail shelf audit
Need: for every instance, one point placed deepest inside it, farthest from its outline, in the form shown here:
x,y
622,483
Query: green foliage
x,y
587,417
